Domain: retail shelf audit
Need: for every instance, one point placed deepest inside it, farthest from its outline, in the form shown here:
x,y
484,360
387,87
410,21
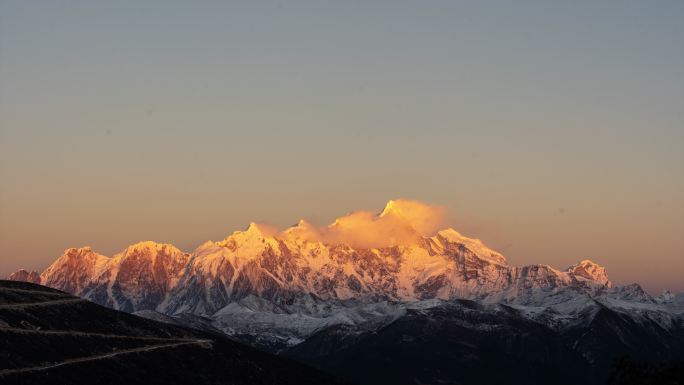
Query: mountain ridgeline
x,y
428,306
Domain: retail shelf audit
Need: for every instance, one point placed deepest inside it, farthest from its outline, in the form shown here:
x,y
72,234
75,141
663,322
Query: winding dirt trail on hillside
x,y
41,303
207,344
168,343
88,334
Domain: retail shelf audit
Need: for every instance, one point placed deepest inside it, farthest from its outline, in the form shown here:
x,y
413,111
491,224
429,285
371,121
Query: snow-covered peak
x,y
423,218
395,255
205,246
80,256
633,292
154,248
303,231
590,270
250,242
475,245
254,230
250,232
391,208
25,276
74,269
151,247
149,252
665,297
78,251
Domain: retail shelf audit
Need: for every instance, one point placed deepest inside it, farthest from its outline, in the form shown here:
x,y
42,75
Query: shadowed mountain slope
x,y
464,342
49,337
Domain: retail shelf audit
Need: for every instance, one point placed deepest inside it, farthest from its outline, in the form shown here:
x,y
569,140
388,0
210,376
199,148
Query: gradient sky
x,y
554,131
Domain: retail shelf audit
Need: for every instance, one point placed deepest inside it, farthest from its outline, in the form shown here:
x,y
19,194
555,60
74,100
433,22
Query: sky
x,y
553,131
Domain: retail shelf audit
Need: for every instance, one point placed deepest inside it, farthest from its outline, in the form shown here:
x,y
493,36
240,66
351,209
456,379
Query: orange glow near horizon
x,y
553,131
401,222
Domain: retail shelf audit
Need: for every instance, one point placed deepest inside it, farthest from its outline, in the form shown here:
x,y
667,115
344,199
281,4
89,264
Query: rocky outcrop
x,y
25,276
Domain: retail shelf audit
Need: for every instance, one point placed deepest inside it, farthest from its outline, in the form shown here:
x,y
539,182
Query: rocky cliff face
x,y
75,270
279,268
370,283
138,278
25,276
283,286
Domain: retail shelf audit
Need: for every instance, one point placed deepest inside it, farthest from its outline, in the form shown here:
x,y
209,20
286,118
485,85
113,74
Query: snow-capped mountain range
x,y
277,288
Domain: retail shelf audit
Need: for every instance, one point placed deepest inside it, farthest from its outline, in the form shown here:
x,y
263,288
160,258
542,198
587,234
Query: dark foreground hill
x,y
50,337
464,342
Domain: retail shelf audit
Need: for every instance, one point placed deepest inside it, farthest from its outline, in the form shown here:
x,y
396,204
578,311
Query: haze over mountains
x,y
334,295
